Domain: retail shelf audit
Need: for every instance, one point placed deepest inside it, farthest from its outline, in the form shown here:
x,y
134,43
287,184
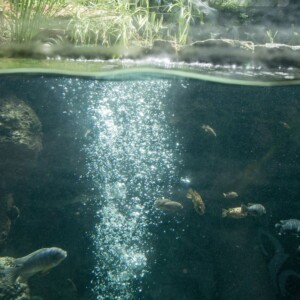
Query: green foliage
x,y
184,14
118,21
28,16
104,22
125,22
229,5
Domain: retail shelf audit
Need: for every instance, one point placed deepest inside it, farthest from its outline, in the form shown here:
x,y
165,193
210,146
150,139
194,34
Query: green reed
x,y
28,16
103,22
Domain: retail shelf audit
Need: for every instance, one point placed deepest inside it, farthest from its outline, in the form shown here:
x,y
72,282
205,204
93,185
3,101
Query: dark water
x,y
111,147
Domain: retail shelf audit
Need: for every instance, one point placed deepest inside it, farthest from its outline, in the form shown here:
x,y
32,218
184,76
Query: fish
x,y
234,212
290,225
254,209
230,195
209,130
285,125
168,205
199,205
40,260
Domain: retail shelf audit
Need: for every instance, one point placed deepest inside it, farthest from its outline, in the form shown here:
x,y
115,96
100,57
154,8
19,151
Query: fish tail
x,y
244,208
11,275
190,194
224,195
224,213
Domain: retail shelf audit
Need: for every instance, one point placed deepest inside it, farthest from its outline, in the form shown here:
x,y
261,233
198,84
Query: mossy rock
x,y
20,137
17,291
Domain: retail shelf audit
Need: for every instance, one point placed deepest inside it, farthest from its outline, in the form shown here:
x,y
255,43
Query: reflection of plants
x,y
27,16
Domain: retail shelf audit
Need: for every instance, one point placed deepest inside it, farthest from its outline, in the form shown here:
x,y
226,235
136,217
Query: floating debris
x,y
208,130
168,205
41,260
230,195
235,213
254,209
197,201
72,285
290,225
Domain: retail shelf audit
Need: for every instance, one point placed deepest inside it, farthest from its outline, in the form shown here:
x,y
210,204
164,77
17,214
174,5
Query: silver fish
x,y
230,195
208,130
254,209
41,260
292,225
168,205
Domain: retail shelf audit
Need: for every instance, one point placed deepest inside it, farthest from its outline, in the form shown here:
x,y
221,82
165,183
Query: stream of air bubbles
x,y
132,160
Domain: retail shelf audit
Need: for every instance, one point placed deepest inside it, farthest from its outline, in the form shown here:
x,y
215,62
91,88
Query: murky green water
x,y
115,142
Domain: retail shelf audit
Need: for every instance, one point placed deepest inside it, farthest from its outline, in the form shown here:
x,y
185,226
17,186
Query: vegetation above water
x,y
142,23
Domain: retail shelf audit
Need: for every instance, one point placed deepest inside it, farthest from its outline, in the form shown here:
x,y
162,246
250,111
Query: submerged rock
x,y
18,291
8,213
20,138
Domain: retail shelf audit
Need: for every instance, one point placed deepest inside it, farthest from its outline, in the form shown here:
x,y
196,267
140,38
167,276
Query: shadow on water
x,y
107,156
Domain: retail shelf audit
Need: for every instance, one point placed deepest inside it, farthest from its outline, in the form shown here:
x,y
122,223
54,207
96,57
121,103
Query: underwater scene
x,y
148,187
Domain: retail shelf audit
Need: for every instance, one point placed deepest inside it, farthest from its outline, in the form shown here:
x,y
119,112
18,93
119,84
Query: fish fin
x,y
243,208
22,260
11,274
25,277
45,272
224,195
190,193
250,204
224,213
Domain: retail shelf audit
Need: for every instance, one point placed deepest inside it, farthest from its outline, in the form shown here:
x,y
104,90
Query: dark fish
x,y
254,209
292,225
197,201
41,260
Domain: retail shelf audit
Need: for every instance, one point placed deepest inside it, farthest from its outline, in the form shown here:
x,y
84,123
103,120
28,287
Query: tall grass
x,y
105,22
124,22
116,22
28,16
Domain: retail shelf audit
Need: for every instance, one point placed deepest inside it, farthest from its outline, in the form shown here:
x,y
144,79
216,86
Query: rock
x,y
8,213
18,291
20,138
